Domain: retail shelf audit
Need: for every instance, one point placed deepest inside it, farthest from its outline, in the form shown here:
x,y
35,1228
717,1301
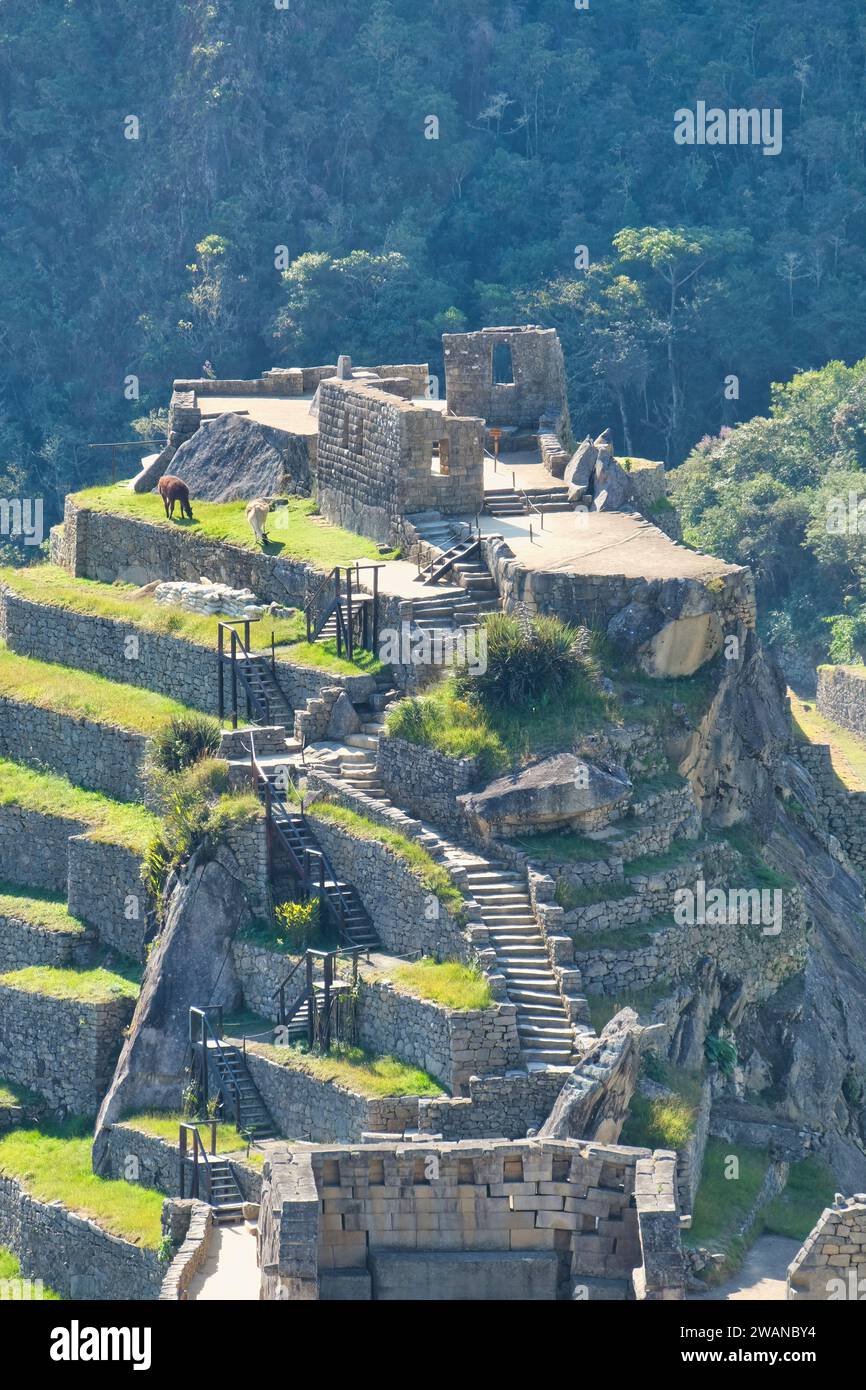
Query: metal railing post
x,y
220,672
234,645
311,1003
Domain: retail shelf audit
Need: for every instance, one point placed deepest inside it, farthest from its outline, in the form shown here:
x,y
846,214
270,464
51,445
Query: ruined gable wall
x,y
539,377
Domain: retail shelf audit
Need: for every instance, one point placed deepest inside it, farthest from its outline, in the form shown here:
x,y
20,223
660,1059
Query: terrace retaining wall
x,y
63,1049
100,757
71,1254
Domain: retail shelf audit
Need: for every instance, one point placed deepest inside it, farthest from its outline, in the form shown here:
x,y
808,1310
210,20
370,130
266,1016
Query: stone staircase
x,y
547,1035
297,835
509,501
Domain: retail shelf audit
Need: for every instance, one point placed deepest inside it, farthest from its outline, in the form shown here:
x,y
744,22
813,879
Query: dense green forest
x,y
303,125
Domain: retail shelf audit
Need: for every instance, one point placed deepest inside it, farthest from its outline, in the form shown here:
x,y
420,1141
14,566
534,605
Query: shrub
x,y
299,924
185,740
529,661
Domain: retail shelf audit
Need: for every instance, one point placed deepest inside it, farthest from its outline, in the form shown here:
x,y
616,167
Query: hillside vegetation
x,y
281,203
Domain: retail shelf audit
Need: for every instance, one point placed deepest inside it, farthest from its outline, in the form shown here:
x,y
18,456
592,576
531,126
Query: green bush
x,y
528,661
183,741
299,925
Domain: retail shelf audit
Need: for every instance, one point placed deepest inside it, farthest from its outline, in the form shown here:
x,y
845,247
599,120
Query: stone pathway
x,y
230,1271
763,1275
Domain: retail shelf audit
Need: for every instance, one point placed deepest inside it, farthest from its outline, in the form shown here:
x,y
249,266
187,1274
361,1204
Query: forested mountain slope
x,y
304,128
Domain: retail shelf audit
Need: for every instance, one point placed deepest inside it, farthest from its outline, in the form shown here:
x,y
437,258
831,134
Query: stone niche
x,y
511,377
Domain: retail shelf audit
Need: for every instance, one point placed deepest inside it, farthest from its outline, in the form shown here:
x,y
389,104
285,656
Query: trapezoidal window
x,y
503,365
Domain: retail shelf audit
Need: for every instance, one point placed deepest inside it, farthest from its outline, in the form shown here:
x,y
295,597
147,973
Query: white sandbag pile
x,y
212,598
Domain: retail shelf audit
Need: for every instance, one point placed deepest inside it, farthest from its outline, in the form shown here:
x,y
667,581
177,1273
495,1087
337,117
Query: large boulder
x,y
611,485
189,966
563,790
578,470
593,1103
233,458
672,631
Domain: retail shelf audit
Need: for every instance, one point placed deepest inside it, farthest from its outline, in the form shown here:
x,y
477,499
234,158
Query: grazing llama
x,y
257,514
173,490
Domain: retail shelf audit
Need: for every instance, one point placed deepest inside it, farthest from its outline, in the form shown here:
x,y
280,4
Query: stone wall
x,y
407,916
71,1254
496,1106
171,666
109,546
304,1107
576,1202
426,782
198,1222
451,1045
673,952
842,696
22,943
33,848
375,459
63,1049
538,387
840,812
831,1266
100,757
107,892
261,972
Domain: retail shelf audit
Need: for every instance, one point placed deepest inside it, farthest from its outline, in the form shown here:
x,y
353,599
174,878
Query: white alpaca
x,y
257,514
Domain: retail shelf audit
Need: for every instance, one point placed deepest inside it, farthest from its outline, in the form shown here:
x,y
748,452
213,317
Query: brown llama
x,y
173,490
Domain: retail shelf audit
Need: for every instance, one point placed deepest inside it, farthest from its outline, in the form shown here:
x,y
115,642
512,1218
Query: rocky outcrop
x,y
563,790
232,457
670,629
732,759
594,1101
190,966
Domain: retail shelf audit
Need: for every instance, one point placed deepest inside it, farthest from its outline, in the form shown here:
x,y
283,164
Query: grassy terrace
x,y
66,691
664,1122
847,751
449,983
50,584
433,876
293,533
165,1124
98,985
10,1268
47,911
113,822
55,1166
355,1069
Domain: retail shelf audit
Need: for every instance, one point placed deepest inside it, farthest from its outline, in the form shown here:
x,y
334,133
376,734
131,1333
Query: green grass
x,y
743,841
569,897
358,1070
94,986
658,863
603,1007
84,696
447,982
38,908
55,1166
664,1122
847,750
10,1268
810,1188
47,583
723,1203
433,876
292,533
13,1094
45,793
623,938
460,727
165,1125
562,847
